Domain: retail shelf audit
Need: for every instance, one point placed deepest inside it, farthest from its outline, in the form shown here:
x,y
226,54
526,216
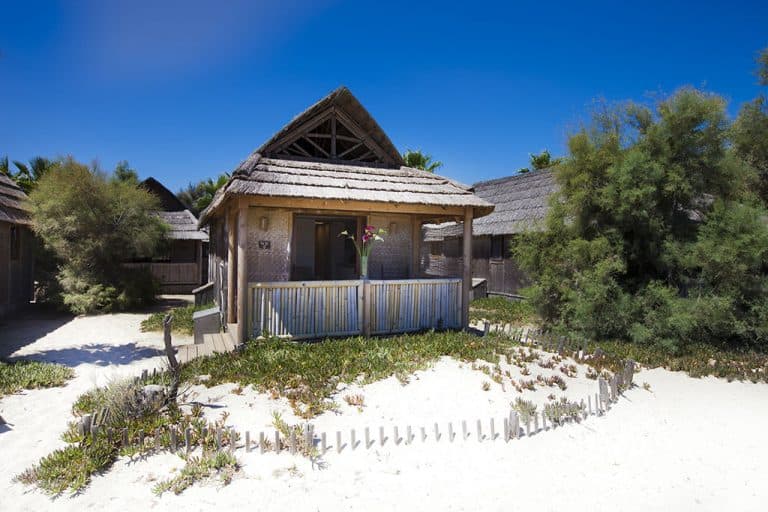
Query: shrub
x,y
559,411
222,464
654,235
525,408
92,223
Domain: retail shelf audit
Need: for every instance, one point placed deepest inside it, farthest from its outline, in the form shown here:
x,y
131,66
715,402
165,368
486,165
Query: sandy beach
x,y
687,444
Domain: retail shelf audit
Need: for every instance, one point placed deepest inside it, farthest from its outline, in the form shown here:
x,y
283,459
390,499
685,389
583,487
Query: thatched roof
x,y
12,208
183,226
182,222
277,169
521,205
342,105
168,200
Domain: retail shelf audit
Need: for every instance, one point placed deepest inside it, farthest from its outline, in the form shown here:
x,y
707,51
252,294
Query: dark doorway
x,y
318,252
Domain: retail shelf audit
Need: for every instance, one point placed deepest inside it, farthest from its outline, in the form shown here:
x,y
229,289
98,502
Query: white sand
x,y
689,444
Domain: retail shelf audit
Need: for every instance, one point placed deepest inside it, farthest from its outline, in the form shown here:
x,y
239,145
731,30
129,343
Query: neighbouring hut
x,y
16,248
279,265
182,264
521,205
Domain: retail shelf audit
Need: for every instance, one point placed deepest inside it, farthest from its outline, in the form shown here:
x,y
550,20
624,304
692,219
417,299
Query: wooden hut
x,y
521,204
16,248
182,265
280,266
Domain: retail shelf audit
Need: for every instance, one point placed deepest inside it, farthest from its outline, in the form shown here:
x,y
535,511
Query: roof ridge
x,y
514,177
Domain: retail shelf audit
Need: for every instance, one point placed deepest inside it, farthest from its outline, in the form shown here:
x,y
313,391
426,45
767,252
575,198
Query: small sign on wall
x,y
265,245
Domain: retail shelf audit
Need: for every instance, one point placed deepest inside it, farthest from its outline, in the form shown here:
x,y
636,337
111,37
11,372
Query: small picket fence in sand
x,y
513,425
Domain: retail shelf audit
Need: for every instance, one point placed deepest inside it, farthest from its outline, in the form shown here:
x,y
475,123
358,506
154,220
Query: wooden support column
x,y
242,271
199,257
366,308
415,247
231,265
467,268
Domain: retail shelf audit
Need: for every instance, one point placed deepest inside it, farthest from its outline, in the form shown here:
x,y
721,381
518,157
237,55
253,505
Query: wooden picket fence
x,y
513,427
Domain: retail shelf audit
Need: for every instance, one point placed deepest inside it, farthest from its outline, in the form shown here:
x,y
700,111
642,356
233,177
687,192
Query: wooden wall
x,y
443,259
269,250
391,259
16,276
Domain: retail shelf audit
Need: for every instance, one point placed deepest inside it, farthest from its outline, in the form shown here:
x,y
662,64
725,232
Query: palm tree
x,y
419,160
26,175
197,197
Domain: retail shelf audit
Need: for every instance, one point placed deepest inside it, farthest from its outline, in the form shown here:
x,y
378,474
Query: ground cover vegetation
x,y
22,374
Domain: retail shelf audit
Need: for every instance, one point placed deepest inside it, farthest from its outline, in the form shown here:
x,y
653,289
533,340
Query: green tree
x,y
628,252
750,131
92,223
123,172
420,160
198,196
541,161
27,175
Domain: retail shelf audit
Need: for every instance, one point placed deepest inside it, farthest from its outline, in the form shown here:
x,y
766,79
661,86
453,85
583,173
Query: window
x,y
435,248
497,247
15,242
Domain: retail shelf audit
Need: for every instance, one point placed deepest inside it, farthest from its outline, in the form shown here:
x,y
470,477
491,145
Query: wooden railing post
x,y
242,271
467,268
367,303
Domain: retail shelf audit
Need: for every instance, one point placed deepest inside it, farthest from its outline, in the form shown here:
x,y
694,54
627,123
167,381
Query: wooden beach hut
x,y
279,266
16,248
521,205
182,265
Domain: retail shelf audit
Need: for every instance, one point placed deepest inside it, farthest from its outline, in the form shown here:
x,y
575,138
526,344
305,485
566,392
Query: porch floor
x,y
212,343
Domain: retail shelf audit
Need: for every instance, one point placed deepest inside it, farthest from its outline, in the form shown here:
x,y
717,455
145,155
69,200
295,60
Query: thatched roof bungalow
x,y
522,202
279,264
183,264
16,254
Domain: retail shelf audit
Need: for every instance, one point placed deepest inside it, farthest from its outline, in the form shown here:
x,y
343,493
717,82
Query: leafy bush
x,y
559,411
71,468
92,223
525,408
18,375
222,464
654,235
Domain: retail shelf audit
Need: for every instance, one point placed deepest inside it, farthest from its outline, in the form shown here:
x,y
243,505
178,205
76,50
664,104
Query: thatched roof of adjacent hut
x,y
335,150
183,226
182,222
522,202
168,200
12,208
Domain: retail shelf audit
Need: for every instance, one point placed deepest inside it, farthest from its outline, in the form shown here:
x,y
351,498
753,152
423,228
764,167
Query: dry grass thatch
x,y
12,208
522,202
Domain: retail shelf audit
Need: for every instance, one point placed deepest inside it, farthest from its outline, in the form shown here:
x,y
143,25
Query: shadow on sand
x,y
95,353
37,321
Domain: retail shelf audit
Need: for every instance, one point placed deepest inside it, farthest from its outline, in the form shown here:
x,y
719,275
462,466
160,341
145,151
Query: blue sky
x,y
186,90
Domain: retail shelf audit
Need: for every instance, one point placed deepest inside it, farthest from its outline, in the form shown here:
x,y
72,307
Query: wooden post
x,y
415,247
367,308
231,308
199,257
242,271
466,286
